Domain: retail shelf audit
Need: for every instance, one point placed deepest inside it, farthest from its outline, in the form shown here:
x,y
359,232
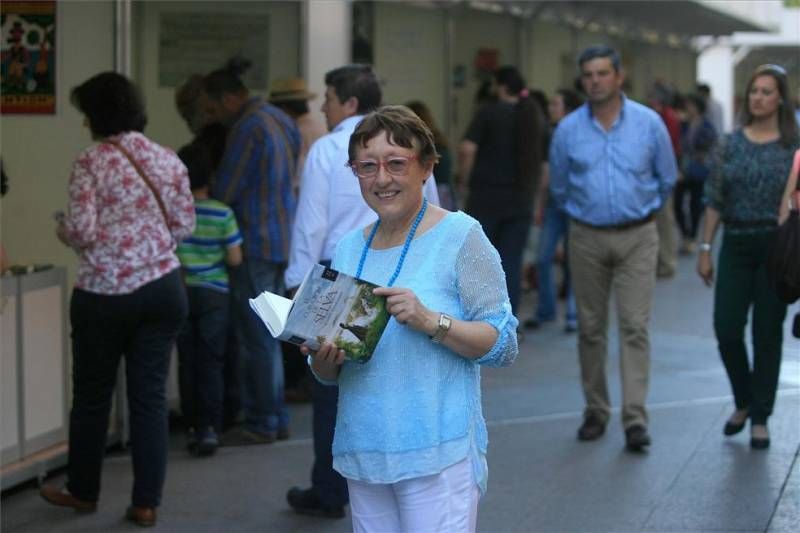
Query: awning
x,y
675,20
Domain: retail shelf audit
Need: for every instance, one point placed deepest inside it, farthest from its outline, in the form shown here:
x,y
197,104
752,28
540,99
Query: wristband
x,y
704,246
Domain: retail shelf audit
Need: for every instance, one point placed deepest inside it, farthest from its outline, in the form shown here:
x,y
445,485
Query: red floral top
x,y
114,221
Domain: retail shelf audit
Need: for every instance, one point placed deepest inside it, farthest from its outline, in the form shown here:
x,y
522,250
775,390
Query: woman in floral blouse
x,y
128,298
744,192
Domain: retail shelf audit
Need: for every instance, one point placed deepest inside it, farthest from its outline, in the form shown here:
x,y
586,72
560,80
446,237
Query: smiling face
x,y
395,197
764,99
601,82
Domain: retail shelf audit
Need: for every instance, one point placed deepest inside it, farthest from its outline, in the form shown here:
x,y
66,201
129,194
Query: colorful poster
x,y
28,57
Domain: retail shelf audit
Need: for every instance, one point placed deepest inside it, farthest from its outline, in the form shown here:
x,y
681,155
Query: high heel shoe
x,y
732,427
759,437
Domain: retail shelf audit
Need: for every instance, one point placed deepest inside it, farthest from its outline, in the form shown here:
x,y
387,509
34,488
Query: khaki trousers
x,y
625,261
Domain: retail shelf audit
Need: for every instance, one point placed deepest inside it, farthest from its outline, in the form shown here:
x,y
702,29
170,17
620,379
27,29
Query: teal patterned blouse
x,y
747,181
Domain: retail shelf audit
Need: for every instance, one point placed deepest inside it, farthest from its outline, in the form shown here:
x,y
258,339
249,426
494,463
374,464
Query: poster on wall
x,y
197,43
27,73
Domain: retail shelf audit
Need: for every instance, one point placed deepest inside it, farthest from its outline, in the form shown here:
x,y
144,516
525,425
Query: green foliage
x,y
791,3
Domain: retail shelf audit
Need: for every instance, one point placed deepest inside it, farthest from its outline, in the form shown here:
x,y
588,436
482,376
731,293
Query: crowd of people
x,y
172,247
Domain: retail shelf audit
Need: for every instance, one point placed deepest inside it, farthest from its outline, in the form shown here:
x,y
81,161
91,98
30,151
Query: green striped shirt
x,y
202,254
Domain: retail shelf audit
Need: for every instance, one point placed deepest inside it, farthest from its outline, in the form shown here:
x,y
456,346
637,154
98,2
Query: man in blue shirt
x,y
255,179
611,169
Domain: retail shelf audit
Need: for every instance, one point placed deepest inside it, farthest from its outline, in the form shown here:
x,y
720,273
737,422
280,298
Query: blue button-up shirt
x,y
605,178
255,178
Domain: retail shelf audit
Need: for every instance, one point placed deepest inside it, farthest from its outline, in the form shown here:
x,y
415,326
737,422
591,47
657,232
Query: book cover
x,y
329,307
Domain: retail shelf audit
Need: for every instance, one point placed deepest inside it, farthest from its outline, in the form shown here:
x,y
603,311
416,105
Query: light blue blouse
x,y
415,408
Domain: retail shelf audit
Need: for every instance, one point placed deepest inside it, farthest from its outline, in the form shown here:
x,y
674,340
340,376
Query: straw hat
x,y
289,89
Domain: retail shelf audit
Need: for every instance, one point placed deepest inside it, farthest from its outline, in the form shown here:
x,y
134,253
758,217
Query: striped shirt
x,y
255,178
202,254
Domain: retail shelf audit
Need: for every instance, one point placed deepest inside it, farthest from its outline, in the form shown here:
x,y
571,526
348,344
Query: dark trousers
x,y
201,357
742,284
508,234
142,326
329,485
694,188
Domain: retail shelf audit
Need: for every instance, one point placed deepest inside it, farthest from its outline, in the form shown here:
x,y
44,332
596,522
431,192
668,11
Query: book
x,y
331,307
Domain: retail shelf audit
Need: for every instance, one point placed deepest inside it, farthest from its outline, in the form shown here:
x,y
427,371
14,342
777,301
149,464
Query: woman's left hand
x,y
406,308
61,233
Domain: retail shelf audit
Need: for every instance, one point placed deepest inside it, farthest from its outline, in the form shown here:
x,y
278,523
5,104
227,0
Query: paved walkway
x,y
541,477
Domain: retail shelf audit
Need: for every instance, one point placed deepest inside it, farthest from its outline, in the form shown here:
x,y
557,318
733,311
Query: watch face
x,y
445,322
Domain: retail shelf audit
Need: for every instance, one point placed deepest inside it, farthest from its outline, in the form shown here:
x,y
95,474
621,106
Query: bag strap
x,y
147,181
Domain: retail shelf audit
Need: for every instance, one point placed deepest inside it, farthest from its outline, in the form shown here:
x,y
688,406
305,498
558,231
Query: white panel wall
x,y
410,55
38,150
164,124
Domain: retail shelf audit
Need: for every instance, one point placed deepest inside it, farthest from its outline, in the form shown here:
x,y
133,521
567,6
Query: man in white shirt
x,y
330,206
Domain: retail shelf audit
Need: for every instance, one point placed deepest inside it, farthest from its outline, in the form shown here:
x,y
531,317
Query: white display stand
x,y
33,373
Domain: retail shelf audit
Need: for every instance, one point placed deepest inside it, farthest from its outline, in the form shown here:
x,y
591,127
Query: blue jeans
x,y
553,230
261,362
201,357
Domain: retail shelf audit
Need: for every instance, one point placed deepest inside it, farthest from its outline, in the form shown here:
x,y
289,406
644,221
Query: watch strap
x,y
443,327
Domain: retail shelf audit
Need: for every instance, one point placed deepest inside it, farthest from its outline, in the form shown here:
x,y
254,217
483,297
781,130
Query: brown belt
x,y
619,227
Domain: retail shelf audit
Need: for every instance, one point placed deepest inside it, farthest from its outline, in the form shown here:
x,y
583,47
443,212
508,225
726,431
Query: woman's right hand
x,y
325,361
705,268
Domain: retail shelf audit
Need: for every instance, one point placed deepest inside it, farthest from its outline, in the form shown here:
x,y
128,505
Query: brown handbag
x,y
147,181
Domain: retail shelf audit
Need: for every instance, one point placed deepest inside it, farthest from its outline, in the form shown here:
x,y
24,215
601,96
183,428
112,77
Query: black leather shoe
x,y
732,428
306,501
531,323
759,439
636,438
591,429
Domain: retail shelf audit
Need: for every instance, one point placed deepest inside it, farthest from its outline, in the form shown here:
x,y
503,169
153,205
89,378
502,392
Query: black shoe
x,y
636,438
591,429
207,442
306,501
531,323
191,440
760,442
732,428
570,328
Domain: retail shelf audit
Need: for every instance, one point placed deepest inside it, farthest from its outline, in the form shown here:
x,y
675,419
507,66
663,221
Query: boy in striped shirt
x,y
205,256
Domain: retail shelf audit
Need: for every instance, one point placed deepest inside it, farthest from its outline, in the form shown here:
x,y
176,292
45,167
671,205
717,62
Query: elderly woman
x,y
410,435
129,204
744,192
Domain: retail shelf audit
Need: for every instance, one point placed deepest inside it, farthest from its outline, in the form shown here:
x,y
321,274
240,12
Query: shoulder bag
x,y
146,180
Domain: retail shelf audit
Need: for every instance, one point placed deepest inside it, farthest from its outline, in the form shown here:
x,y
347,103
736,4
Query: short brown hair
x,y
403,128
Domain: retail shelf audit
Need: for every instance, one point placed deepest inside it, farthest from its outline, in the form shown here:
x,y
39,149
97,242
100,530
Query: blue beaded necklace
x,y
403,253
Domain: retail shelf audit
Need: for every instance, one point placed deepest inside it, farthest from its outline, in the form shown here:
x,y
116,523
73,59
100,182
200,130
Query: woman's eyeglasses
x,y
369,168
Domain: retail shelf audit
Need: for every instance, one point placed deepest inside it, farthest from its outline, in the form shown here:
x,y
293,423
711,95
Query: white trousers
x,y
446,502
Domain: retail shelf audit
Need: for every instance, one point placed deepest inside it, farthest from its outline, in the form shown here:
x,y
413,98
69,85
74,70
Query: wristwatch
x,y
445,322
704,246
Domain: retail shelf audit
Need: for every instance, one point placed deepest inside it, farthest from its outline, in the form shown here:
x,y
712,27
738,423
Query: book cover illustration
x,y
329,307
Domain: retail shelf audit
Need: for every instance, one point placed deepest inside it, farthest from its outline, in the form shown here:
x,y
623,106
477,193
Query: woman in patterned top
x,y
128,297
744,192
410,435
